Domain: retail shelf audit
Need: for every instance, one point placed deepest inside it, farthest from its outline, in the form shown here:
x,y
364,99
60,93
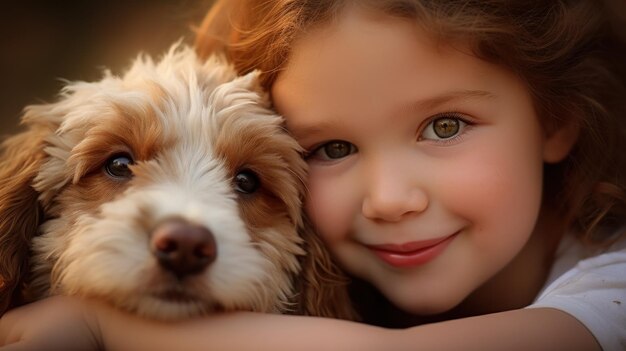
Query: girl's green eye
x,y
334,150
443,128
446,127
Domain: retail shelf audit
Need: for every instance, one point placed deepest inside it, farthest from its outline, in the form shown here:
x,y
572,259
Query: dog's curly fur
x,y
67,226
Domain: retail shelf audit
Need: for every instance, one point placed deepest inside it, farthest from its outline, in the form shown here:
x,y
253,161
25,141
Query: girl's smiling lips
x,y
412,253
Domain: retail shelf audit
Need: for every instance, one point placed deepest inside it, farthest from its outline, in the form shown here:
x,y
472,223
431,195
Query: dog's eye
x,y
117,166
247,182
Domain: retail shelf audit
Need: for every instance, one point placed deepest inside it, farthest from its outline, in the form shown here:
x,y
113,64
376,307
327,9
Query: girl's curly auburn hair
x,y
570,53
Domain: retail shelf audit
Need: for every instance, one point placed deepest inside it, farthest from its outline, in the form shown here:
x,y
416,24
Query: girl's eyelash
x,y
452,115
316,148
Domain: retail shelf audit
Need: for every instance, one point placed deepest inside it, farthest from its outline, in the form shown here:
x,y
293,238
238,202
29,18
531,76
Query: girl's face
x,y
425,162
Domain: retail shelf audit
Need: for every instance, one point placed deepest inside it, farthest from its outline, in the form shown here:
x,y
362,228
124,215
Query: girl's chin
x,y
425,309
424,305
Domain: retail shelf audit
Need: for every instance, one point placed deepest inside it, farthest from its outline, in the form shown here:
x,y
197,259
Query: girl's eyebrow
x,y
434,102
304,131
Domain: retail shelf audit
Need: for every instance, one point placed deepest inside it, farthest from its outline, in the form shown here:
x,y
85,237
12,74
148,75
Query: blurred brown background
x,y
43,41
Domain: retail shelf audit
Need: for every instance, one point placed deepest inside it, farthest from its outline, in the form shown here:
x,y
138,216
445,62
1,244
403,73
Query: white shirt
x,y
591,286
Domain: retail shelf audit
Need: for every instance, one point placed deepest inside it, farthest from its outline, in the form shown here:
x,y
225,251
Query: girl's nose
x,y
392,195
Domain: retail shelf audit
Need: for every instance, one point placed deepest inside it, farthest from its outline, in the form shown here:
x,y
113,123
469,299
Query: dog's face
x,y
169,191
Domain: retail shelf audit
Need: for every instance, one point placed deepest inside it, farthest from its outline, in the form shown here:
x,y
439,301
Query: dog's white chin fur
x,y
190,127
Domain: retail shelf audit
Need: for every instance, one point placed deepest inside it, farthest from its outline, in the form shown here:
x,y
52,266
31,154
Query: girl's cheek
x,y
327,206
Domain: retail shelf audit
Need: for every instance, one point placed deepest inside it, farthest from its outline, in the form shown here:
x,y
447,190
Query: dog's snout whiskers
x,y
183,248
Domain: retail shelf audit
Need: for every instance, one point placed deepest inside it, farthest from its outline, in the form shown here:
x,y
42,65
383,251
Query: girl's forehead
x,y
358,51
354,36
358,33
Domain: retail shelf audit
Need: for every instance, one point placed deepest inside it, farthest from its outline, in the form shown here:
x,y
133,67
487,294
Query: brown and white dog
x,y
170,191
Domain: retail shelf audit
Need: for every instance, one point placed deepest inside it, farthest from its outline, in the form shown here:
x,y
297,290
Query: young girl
x,y
466,168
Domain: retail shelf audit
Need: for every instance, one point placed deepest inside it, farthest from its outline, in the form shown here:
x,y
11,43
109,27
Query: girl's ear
x,y
322,286
21,157
558,142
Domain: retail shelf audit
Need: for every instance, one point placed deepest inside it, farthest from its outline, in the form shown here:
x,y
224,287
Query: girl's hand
x,y
56,323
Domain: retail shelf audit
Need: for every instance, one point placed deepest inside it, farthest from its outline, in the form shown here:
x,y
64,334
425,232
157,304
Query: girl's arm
x,y
524,329
528,329
532,329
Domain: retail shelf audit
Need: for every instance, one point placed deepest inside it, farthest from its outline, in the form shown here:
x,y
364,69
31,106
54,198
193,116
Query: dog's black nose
x,y
182,247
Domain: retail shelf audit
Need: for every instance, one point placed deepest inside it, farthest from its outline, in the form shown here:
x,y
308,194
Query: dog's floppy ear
x,y
20,159
323,286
